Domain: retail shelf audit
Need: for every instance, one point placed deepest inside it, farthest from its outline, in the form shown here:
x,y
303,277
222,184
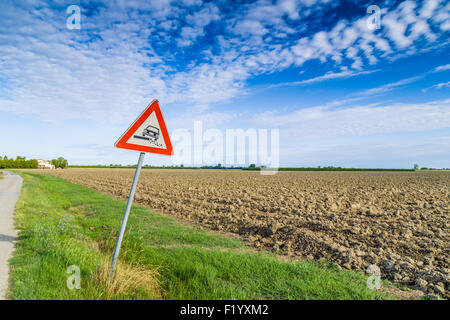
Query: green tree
x,y
60,162
416,167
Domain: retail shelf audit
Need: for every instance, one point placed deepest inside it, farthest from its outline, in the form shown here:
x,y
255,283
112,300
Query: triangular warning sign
x,y
148,133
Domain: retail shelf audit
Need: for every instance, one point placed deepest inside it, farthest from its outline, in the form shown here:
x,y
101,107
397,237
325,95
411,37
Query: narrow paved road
x,y
10,187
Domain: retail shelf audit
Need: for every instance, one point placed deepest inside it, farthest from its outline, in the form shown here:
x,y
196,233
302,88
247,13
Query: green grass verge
x,y
63,224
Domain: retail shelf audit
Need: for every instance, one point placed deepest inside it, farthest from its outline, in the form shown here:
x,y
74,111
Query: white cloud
x,y
396,84
328,76
443,85
323,122
438,86
290,7
197,22
111,65
442,17
389,86
401,28
204,16
250,27
442,68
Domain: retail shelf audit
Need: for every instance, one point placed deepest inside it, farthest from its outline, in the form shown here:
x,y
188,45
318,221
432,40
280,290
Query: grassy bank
x,y
62,224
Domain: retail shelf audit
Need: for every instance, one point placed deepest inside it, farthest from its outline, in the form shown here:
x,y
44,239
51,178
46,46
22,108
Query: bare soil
x,y
398,221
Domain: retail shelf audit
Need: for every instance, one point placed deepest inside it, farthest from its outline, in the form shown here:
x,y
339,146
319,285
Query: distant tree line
x,y
22,163
416,168
251,167
326,168
18,163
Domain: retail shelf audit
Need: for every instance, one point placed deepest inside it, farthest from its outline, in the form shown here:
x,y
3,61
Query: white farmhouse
x,y
43,164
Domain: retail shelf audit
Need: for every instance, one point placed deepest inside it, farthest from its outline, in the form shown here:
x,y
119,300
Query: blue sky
x,y
340,93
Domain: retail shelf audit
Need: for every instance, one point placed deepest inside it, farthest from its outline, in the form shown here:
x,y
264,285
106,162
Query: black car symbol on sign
x,y
152,132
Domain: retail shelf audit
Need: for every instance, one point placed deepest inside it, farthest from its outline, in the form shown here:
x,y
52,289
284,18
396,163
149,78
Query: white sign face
x,y
148,134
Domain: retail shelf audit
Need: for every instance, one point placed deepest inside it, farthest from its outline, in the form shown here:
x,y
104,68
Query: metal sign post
x,y
148,133
127,213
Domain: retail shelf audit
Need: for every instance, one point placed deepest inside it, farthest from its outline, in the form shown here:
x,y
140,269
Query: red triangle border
x,y
153,107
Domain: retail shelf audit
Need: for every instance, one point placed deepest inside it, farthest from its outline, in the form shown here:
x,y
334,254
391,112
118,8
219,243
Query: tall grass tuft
x,y
128,281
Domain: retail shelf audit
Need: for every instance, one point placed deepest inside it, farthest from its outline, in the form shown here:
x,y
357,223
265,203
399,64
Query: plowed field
x,y
396,220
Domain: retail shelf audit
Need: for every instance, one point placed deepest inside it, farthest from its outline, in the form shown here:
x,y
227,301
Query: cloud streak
x,y
328,76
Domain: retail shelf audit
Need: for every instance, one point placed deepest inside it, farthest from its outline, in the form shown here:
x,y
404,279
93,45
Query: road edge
x,y
9,195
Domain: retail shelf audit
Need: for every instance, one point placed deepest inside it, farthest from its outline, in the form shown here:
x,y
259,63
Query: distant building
x,y
43,164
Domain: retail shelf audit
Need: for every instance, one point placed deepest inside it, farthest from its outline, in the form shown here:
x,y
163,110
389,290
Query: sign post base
x,y
127,213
